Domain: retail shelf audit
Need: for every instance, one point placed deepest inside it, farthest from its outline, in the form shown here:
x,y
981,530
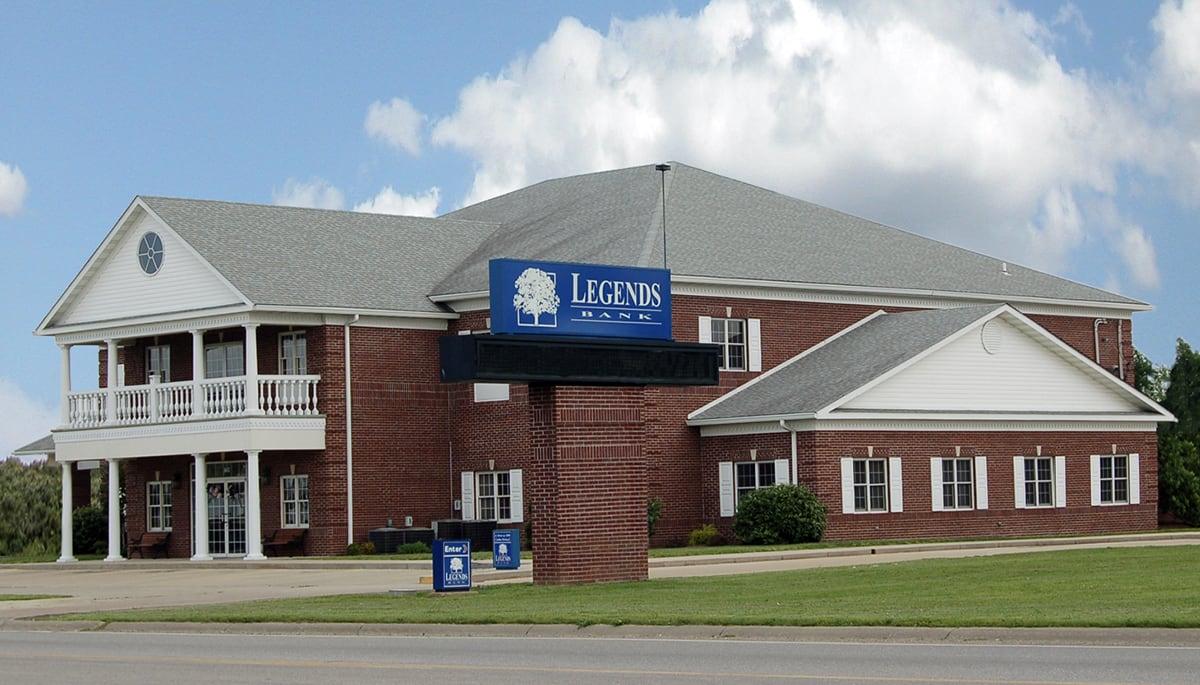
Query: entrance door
x,y
227,517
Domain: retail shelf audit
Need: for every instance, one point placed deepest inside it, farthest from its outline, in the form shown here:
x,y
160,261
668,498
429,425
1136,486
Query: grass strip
x,y
1118,587
19,598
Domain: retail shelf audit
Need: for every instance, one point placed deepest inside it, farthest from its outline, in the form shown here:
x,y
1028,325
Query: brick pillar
x,y
587,485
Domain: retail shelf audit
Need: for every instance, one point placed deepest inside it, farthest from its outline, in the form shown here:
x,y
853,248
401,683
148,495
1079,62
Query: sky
x,y
1064,136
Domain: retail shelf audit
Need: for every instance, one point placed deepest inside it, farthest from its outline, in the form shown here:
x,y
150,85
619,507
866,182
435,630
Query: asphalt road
x,y
135,658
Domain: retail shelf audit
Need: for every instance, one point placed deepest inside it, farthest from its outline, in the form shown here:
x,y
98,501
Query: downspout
x,y
1121,348
795,467
349,439
1096,336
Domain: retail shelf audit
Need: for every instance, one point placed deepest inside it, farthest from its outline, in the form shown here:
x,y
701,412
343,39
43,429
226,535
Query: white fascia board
x,y
464,302
149,325
785,364
773,419
881,296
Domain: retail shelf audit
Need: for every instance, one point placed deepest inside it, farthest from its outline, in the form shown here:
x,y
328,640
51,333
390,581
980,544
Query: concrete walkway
x,y
132,584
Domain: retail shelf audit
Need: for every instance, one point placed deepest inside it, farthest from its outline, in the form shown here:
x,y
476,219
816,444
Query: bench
x,y
149,541
285,537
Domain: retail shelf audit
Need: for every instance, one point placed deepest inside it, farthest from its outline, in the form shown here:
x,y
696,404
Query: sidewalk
x,y
131,584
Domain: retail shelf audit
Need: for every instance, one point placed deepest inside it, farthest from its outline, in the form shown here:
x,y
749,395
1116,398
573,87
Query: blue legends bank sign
x,y
557,298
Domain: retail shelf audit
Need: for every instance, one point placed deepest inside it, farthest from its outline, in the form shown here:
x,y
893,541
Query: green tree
x,y
1149,378
1178,455
30,501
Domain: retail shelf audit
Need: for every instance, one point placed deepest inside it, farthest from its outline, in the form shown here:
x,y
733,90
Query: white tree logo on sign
x,y
536,296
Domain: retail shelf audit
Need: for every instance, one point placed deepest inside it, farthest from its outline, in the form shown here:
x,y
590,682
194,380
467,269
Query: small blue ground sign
x,y
506,548
451,565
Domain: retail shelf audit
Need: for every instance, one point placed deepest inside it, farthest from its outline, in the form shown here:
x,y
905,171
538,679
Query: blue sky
x,y
1061,136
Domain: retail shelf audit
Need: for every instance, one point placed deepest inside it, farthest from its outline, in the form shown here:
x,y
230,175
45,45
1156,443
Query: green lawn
x,y
17,598
1135,587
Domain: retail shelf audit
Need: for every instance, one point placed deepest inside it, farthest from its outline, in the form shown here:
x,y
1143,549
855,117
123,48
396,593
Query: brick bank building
x,y
269,369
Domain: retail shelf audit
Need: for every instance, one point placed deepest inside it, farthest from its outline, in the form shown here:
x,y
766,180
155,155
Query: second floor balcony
x,y
216,398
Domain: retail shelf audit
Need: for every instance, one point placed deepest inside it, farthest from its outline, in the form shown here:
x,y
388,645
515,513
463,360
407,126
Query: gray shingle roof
x,y
722,228
813,381
318,258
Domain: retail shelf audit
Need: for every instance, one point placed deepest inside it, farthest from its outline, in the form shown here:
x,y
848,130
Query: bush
x,y
360,549
653,513
90,530
706,535
417,547
779,515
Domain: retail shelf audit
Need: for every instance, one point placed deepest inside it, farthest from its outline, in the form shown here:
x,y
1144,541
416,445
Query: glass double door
x,y
226,494
227,517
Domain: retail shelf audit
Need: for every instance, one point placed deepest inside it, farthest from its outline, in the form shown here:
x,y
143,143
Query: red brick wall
x,y
819,460
587,484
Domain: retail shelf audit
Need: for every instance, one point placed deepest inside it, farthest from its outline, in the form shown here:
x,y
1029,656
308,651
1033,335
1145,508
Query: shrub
x,y
779,515
417,547
706,535
653,513
89,526
360,549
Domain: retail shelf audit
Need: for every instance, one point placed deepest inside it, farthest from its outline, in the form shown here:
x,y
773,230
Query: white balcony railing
x,y
173,402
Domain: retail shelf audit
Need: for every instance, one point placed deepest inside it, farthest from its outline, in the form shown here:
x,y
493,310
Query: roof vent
x,y
992,336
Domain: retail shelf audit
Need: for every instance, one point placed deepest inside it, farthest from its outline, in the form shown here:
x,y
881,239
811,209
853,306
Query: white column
x,y
68,508
111,404
253,509
200,514
252,369
114,511
197,373
65,384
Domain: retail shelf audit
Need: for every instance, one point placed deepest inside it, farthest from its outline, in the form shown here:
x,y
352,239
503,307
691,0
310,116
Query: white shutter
x,y
1060,482
754,344
895,483
1096,480
1019,482
705,329
725,487
981,488
1135,480
935,484
847,485
516,495
783,469
468,495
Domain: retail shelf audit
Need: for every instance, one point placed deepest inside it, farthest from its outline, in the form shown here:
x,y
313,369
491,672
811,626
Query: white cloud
x,y
13,189
388,201
22,420
398,123
314,193
1178,25
1138,252
952,119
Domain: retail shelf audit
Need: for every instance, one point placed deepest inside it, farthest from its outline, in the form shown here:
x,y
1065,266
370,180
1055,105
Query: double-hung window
x,y
223,360
158,505
293,353
738,479
294,501
1039,482
1116,479
958,483
872,485
739,340
158,363
493,496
